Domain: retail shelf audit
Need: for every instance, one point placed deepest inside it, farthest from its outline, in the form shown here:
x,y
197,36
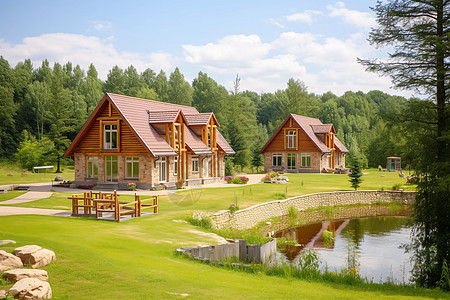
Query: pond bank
x,y
251,216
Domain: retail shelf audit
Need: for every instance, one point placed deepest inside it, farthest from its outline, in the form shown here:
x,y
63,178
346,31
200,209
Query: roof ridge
x,y
149,100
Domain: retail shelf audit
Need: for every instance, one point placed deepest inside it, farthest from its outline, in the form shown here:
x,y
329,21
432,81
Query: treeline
x,y
42,109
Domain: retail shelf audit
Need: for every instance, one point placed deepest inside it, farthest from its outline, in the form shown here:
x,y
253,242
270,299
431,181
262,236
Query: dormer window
x,y
110,137
291,139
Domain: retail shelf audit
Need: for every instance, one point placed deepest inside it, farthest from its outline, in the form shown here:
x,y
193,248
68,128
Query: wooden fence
x,y
109,203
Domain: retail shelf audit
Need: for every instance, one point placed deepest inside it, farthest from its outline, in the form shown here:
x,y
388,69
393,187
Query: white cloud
x,y
102,25
276,23
230,51
82,50
305,16
352,17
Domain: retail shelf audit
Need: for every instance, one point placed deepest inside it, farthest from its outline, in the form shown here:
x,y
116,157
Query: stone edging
x,y
251,216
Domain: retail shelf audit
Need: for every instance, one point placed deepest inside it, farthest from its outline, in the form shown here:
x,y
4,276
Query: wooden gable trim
x,y
70,151
90,121
275,134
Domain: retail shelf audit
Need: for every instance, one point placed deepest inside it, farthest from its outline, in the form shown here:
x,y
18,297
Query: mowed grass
x,y
10,195
12,174
136,260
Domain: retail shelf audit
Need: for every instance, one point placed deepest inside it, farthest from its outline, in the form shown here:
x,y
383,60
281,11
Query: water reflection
x,y
372,242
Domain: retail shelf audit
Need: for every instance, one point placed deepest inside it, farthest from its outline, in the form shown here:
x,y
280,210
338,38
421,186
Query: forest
x,y
42,109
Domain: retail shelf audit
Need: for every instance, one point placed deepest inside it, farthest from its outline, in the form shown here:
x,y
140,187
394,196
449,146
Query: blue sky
x,y
265,42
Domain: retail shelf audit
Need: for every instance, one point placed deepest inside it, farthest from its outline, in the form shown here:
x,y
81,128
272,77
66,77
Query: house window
x,y
132,167
209,138
306,160
175,166
92,167
291,161
195,165
276,159
110,137
291,138
162,169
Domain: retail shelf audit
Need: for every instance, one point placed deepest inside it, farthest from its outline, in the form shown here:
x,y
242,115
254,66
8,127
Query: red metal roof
x,y
326,128
195,143
223,144
198,119
308,125
141,113
162,116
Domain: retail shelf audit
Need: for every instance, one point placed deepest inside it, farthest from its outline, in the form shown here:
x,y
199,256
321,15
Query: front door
x,y
162,169
111,167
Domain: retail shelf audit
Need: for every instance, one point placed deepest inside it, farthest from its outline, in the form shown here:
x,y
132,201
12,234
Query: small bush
x,y
199,219
236,180
328,238
396,186
229,179
292,212
279,196
233,208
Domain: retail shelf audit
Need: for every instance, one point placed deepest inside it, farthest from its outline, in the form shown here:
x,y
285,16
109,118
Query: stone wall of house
x,y
249,217
146,169
316,163
80,166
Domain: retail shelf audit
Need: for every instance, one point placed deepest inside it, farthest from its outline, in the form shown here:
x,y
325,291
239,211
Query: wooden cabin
x,y
150,143
304,145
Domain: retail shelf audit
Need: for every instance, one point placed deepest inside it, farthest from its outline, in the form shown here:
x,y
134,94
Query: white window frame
x,y
91,170
175,166
108,132
162,166
305,156
129,163
291,139
278,159
289,158
195,168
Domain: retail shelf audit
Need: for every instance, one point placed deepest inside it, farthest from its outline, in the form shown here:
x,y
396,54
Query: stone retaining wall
x,y
251,253
249,217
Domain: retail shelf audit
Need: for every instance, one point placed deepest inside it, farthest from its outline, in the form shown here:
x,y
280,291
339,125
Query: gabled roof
x,y
200,118
139,114
326,128
194,142
168,116
309,125
223,144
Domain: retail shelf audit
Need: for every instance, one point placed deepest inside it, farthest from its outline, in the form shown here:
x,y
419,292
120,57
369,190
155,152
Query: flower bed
x,y
85,186
237,179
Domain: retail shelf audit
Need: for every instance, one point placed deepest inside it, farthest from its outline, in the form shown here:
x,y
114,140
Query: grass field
x,y
12,174
136,260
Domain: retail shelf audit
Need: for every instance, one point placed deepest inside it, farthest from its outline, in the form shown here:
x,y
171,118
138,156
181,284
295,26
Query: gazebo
x,y
394,164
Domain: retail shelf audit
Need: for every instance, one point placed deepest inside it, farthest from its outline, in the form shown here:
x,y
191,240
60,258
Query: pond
x,y
371,243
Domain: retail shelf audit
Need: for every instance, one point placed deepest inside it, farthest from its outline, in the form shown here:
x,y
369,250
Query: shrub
x,y
179,184
396,186
266,178
236,180
199,219
132,186
292,212
328,238
229,179
85,186
233,208
243,179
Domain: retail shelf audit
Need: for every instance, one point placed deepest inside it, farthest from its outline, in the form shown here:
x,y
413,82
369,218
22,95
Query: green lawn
x,y
135,259
12,174
10,195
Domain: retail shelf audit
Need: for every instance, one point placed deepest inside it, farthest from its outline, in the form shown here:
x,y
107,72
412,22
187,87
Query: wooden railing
x,y
109,203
